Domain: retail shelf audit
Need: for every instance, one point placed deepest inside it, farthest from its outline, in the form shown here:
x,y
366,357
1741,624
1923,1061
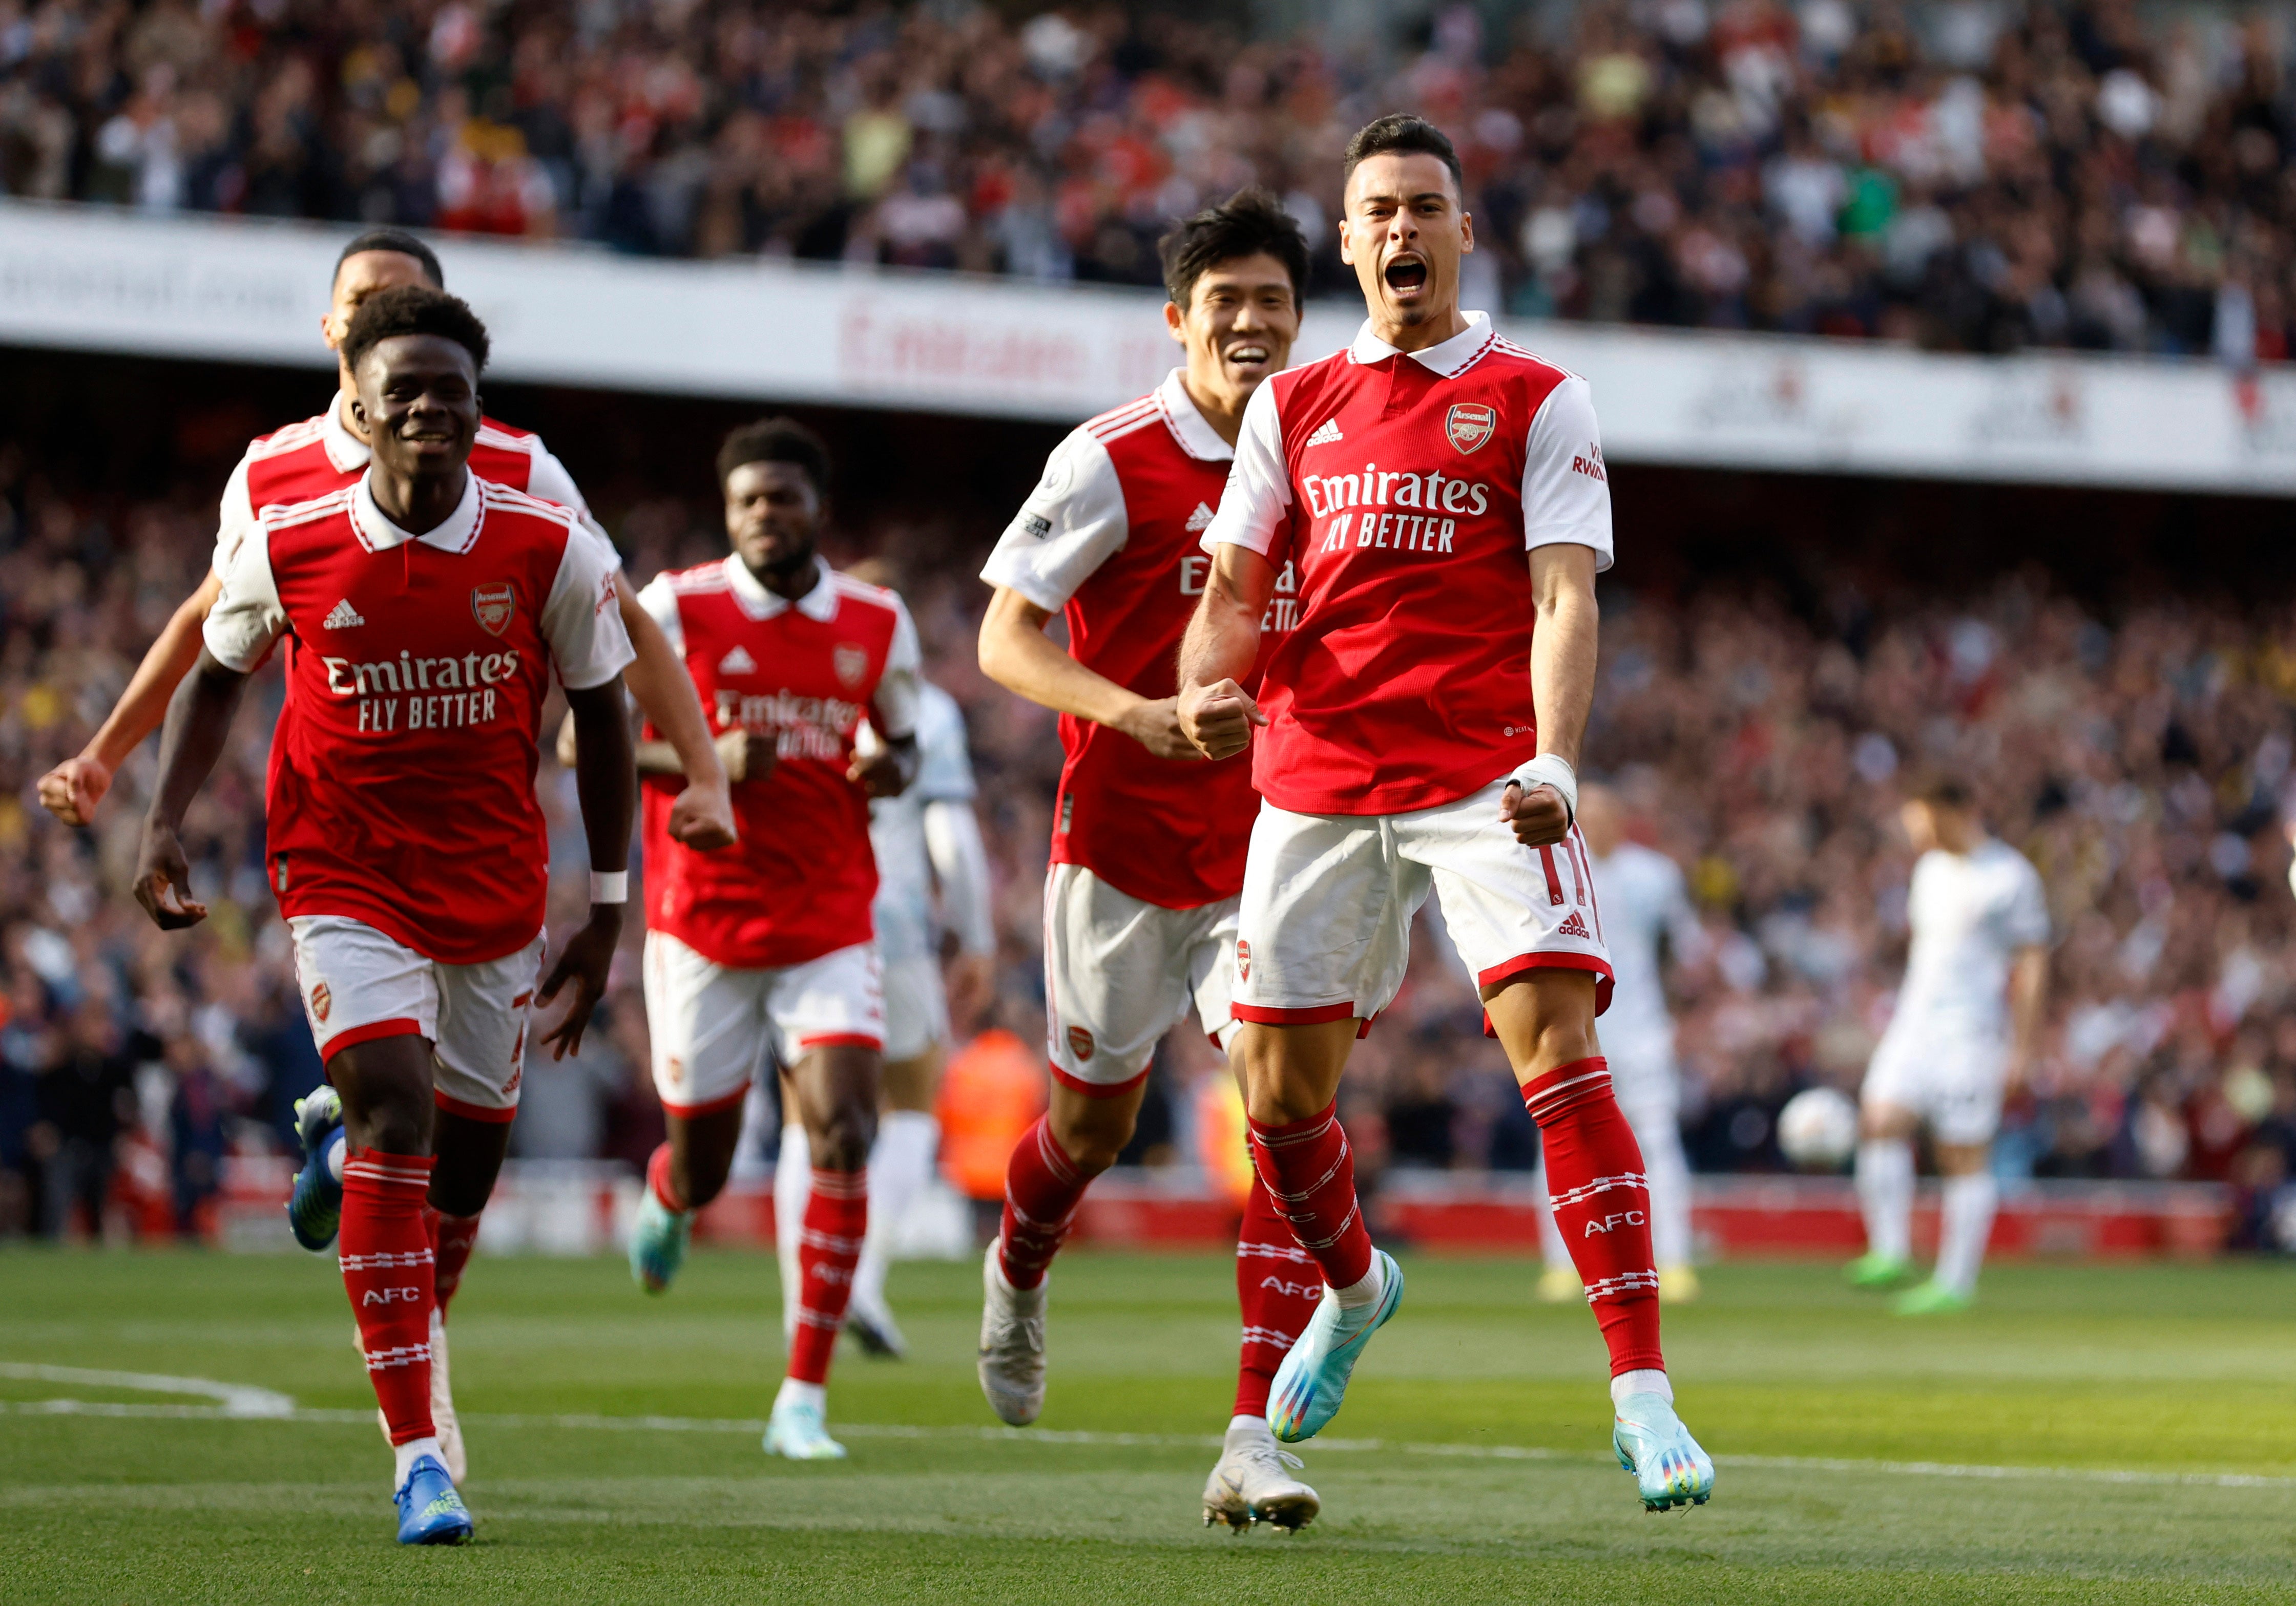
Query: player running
x,y
927,836
1644,903
425,609
765,948
311,459
1148,840
1419,731
1962,1037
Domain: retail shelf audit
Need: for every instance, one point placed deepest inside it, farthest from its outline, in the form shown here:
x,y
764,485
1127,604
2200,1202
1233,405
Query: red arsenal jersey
x,y
308,460
1403,490
401,791
803,675
1107,538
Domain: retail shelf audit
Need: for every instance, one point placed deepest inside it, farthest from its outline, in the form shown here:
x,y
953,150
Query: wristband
x,y
614,887
1548,769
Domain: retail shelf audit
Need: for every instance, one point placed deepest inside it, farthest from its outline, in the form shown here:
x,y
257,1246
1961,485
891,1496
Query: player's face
x,y
773,512
367,275
1404,233
418,403
1921,824
1239,323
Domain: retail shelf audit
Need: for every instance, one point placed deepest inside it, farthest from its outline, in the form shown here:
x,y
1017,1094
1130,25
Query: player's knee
x,y
1093,1137
842,1142
700,1177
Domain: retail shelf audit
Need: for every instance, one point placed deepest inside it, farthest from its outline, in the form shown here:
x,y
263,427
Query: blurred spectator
x,y
86,1101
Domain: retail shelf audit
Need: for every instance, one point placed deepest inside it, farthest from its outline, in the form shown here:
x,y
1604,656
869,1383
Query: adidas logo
x,y
342,617
737,662
1327,435
1575,927
1199,520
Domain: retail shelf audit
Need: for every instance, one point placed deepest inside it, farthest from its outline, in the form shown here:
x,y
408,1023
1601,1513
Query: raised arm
x,y
72,790
702,816
198,722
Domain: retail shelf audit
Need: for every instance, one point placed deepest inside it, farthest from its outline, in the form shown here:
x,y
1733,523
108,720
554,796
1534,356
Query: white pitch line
x,y
578,1423
238,1399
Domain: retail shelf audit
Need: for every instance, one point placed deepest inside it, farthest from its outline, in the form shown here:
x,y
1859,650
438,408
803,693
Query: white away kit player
x,y
1967,1020
1645,903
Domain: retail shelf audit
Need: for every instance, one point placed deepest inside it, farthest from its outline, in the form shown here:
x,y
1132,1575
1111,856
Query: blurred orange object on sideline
x,y
1221,1146
994,1087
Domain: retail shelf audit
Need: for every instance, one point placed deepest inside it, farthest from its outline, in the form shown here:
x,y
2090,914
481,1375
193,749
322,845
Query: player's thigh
x,y
479,1059
1324,926
916,1007
834,1001
358,984
1116,977
1898,1092
1965,1104
709,1027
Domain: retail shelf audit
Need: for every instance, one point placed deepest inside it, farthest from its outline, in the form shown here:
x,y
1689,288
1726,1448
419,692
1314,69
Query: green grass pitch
x,y
2088,1434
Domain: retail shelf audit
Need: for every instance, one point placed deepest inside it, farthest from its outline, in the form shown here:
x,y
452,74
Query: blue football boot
x,y
430,1512
315,1209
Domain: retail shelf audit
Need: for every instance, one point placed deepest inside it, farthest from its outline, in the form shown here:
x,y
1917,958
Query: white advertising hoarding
x,y
86,279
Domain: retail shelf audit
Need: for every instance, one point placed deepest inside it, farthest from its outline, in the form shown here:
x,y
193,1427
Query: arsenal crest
x,y
1242,960
1468,425
852,663
322,1001
1081,1043
493,606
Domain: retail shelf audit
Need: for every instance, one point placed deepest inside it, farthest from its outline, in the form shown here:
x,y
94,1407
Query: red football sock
x,y
1278,1284
387,1267
1310,1172
1602,1204
1043,1187
452,1240
658,1179
836,1220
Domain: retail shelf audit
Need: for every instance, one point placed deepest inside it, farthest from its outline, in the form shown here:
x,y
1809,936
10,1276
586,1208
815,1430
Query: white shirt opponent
x,y
587,638
1970,914
1560,505
1644,900
906,865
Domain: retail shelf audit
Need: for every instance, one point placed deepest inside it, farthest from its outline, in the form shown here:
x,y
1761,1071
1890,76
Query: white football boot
x,y
1253,1483
1011,1345
798,1429
443,1420
1670,1468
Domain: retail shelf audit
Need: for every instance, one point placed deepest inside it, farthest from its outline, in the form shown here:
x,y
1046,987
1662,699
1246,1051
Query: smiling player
x,y
1417,733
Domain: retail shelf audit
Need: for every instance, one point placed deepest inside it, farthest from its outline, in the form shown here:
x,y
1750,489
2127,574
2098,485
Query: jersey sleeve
x,y
893,709
1259,485
1071,524
581,618
235,518
247,616
660,601
945,766
2026,924
549,480
1566,497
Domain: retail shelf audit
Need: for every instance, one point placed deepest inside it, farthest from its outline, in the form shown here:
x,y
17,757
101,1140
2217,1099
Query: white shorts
x,y
1324,932
1952,1081
916,1007
1119,972
358,984
713,1024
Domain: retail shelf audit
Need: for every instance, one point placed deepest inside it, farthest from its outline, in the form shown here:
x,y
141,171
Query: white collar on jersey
x,y
345,450
819,604
1445,358
1197,437
377,533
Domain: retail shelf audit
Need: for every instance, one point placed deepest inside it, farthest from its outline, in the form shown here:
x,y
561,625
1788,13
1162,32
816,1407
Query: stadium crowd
x,y
2143,760
1976,174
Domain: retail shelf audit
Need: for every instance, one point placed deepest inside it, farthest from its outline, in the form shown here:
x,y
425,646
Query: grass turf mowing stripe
x,y
580,1422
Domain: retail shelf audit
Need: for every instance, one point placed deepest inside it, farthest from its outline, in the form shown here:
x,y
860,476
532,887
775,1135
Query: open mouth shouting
x,y
1405,276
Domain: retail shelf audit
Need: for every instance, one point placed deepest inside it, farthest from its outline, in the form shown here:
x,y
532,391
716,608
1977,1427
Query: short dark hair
x,y
1402,132
413,309
775,440
1944,791
400,241
1249,223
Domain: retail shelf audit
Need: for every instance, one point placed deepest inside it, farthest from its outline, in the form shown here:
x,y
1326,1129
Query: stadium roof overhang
x,y
90,279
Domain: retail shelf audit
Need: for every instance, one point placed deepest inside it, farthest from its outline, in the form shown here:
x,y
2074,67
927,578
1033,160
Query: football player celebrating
x,y
308,460
425,609
766,946
1148,840
1419,731
1962,1036
925,839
